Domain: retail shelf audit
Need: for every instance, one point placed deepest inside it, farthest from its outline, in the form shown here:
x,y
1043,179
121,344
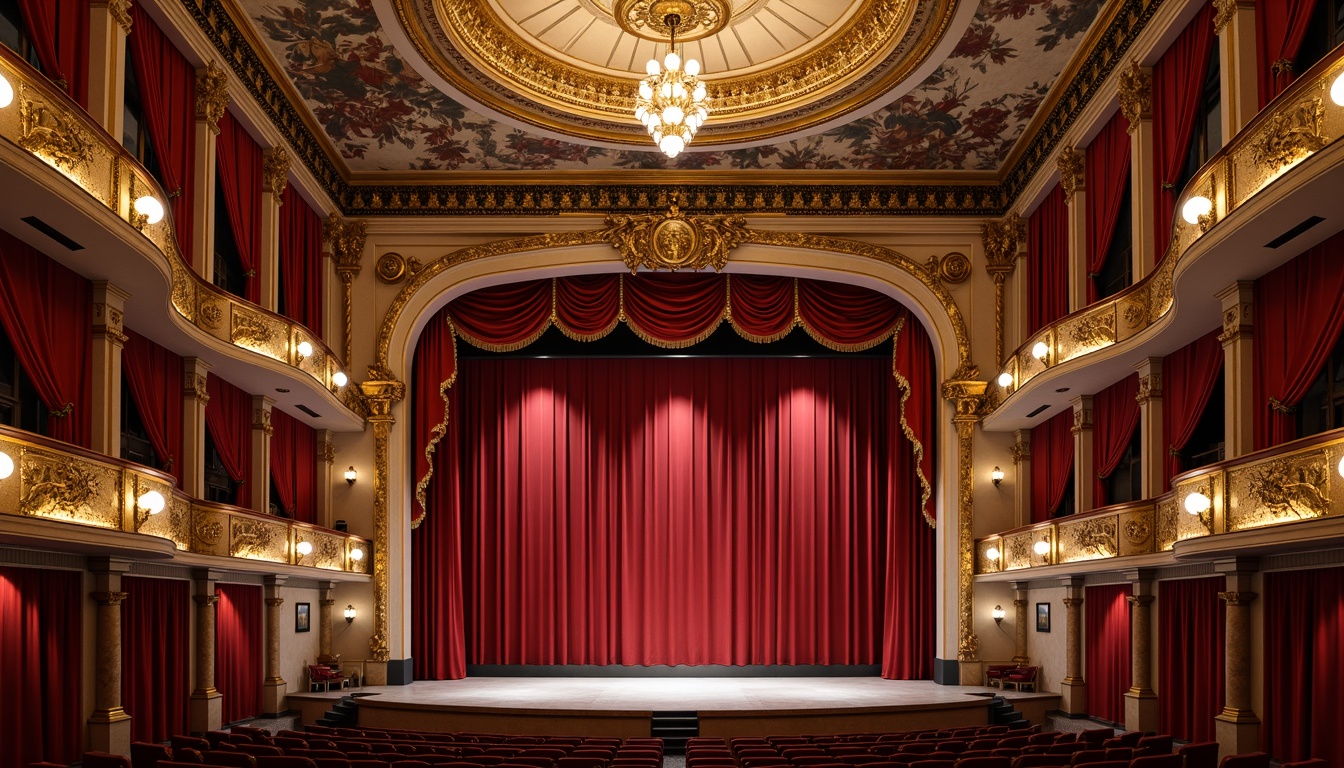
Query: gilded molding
x,y
673,240
381,392
51,133
1020,452
1142,601
1071,171
1237,322
109,598
951,268
1001,240
1290,134
261,419
212,95
275,170
120,11
1225,10
346,240
1150,388
966,396
1238,599
1082,420
1136,93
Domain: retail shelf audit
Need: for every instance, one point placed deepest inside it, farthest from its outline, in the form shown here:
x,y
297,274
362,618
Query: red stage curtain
x,y
228,416
505,317
1048,261
588,307
1190,651
301,266
294,466
1299,313
1051,464
154,375
1115,414
762,307
45,311
1280,28
168,90
1107,167
1189,376
238,650
156,656
1304,672
675,309
41,633
1178,81
238,163
59,32
1108,671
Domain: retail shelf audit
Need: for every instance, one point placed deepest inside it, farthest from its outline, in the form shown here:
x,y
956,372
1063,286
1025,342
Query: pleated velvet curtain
x,y
1051,464
294,466
1189,376
228,417
41,627
59,32
238,650
1304,671
1178,81
1280,28
156,656
238,161
1107,635
154,376
1190,652
1115,414
1107,165
1048,261
301,261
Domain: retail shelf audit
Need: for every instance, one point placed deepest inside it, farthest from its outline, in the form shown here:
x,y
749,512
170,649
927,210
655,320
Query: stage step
x,y
343,714
1002,712
674,728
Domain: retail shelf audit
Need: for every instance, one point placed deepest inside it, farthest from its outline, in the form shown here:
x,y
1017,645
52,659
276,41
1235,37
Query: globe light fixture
x,y
304,548
1197,503
998,614
151,501
339,378
149,207
992,553
672,103
1196,208
1005,379
6,92
356,554
1042,548
1040,350
6,465
996,475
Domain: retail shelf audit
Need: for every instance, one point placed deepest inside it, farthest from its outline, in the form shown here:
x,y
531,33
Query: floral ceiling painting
x,y
381,115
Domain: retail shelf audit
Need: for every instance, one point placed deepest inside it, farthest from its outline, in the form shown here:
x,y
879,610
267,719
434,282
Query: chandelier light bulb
x,y
653,68
692,67
672,61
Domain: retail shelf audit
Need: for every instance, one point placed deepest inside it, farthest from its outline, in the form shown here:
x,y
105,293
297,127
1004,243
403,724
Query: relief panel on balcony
x,y
52,486
1086,333
1280,490
257,539
1136,532
1088,539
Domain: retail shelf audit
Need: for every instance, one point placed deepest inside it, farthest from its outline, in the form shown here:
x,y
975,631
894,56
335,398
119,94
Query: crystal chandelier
x,y
671,102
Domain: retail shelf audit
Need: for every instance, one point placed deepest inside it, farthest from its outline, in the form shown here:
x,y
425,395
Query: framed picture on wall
x,y
1042,617
302,617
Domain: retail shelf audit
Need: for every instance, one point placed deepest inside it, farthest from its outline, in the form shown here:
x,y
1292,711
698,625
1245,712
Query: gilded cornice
x,y
275,171
212,95
1072,171
1136,93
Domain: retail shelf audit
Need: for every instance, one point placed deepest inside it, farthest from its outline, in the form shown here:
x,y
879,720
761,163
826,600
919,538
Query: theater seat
x,y
1201,755
145,754
1251,760
1313,763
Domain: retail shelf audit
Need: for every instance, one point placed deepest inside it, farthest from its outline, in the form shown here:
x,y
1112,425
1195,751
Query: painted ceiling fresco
x,y
381,115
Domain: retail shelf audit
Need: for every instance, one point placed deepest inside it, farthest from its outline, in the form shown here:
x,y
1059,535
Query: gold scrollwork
x,y
1089,539
56,485
49,132
1136,93
1071,171
257,539
952,268
1294,487
209,532
1290,134
250,330
1093,331
645,18
674,241
212,95
211,315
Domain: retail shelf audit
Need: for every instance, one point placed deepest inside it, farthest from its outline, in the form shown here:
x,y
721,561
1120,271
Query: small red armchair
x,y
1021,679
324,678
994,675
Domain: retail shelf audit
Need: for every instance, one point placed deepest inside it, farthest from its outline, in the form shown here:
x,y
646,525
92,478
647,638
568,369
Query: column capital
x,y
1020,602
109,305
1238,598
261,413
205,600
346,239
275,602
1226,10
1238,302
1141,601
1136,93
120,11
275,170
1001,240
1072,171
194,377
108,598
327,602
1082,414
1150,379
1073,602
212,95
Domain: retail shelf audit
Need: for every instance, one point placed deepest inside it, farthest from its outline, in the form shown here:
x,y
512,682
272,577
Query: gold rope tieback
x,y
1283,67
62,412
1278,406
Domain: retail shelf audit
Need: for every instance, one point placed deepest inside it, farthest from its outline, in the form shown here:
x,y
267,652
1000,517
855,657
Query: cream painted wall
x,y
351,641
298,649
1047,649
997,641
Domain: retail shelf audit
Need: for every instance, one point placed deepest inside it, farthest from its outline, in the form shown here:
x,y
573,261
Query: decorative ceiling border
x,y
755,192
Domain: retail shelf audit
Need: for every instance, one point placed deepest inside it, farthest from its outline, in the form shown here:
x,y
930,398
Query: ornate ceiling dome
x,y
775,68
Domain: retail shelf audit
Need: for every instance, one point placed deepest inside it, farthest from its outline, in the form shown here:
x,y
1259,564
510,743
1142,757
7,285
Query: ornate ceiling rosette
x,y
775,69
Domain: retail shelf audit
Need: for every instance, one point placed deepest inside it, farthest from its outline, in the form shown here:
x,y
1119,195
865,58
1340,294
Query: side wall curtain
x,y
1115,412
1048,261
41,629
59,31
294,466
1280,28
1107,166
1304,672
238,669
1051,464
1299,313
156,656
1190,651
228,417
301,266
1107,642
154,375
168,89
45,312
1178,81
1189,376
238,162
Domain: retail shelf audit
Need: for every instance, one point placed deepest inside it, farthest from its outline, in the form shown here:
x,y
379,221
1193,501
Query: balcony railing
x,y
50,480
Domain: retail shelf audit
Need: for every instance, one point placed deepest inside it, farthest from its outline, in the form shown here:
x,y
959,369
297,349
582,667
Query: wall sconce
x,y
349,614
992,554
304,548
1042,548
1005,379
356,554
6,465
151,501
1198,502
4,474
7,93
149,207
1196,208
999,614
305,350
997,476
339,378
350,475
1040,350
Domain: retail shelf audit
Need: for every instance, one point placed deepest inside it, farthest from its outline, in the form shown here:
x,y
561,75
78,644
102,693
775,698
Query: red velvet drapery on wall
x,y
239,162
1280,28
41,629
294,466
228,417
1115,416
238,650
1299,314
1190,652
156,656
154,375
1189,376
167,84
301,267
45,312
1108,670
1178,81
1304,671
1107,168
762,309
59,31
1051,464
1048,261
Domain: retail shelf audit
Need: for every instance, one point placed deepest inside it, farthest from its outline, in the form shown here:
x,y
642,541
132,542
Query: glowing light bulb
x,y
6,93
1336,92
304,548
672,61
1042,548
1040,350
339,379
992,553
672,145
1196,207
305,349
692,67
149,207
6,465
653,68
1005,379
356,554
673,114
1197,503
151,501
645,90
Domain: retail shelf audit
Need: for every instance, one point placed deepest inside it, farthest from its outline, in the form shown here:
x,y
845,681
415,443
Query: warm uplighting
x,y
1336,91
339,378
999,614
151,501
1040,350
992,553
671,101
1197,503
350,475
6,465
1196,208
356,554
149,207
6,93
304,548
996,475
349,614
1042,548
1005,379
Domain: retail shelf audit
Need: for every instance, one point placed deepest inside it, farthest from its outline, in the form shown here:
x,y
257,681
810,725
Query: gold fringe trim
x,y
860,346
728,315
510,347
665,344
437,434
925,487
599,334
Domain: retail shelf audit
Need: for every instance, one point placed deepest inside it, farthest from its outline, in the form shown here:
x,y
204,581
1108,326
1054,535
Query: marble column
x,y
109,726
1238,338
1136,104
206,708
1020,619
275,177
1083,459
109,307
109,23
194,399
1235,24
1237,726
1153,456
1021,453
273,687
1140,700
1073,687
260,475
212,98
1072,178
